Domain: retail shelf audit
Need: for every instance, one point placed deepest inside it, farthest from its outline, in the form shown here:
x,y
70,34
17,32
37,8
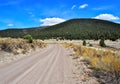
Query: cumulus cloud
x,y
51,21
10,25
107,17
73,7
83,6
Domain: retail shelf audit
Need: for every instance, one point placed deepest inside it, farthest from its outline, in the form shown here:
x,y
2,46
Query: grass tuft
x,y
17,46
106,63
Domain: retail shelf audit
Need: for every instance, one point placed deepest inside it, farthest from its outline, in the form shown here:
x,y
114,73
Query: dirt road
x,y
49,66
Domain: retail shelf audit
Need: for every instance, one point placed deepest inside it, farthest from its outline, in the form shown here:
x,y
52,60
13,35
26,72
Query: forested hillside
x,y
71,29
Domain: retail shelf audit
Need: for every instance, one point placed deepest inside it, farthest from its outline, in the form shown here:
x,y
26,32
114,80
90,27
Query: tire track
x,y
49,66
9,75
46,74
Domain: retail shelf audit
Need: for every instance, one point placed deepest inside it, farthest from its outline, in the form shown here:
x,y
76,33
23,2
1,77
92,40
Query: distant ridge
x,y
71,29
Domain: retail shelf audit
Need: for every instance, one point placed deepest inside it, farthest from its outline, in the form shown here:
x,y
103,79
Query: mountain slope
x,y
16,32
72,29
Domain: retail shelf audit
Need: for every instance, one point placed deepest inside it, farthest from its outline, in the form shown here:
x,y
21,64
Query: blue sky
x,y
32,13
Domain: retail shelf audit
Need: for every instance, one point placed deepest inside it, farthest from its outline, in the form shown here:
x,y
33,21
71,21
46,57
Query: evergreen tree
x,y
84,43
102,43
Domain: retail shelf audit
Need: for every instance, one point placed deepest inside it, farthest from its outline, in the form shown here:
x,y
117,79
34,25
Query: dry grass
x,y
106,63
102,59
17,46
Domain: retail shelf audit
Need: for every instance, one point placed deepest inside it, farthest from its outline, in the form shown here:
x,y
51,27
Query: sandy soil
x,y
51,65
113,44
6,57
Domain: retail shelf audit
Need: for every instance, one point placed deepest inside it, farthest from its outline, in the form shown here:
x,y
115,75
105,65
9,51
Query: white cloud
x,y
83,6
73,7
51,21
10,25
107,17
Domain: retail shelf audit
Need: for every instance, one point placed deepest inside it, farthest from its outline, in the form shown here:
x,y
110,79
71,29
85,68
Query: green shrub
x,y
84,43
113,39
29,38
90,45
102,43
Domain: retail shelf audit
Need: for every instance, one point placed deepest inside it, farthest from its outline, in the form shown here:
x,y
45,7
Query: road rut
x,y
49,66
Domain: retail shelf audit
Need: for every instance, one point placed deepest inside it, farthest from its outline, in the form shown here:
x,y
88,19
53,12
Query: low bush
x,y
29,38
90,45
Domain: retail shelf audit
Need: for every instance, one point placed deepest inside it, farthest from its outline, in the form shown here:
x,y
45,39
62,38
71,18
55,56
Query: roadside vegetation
x,y
19,45
105,63
29,38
